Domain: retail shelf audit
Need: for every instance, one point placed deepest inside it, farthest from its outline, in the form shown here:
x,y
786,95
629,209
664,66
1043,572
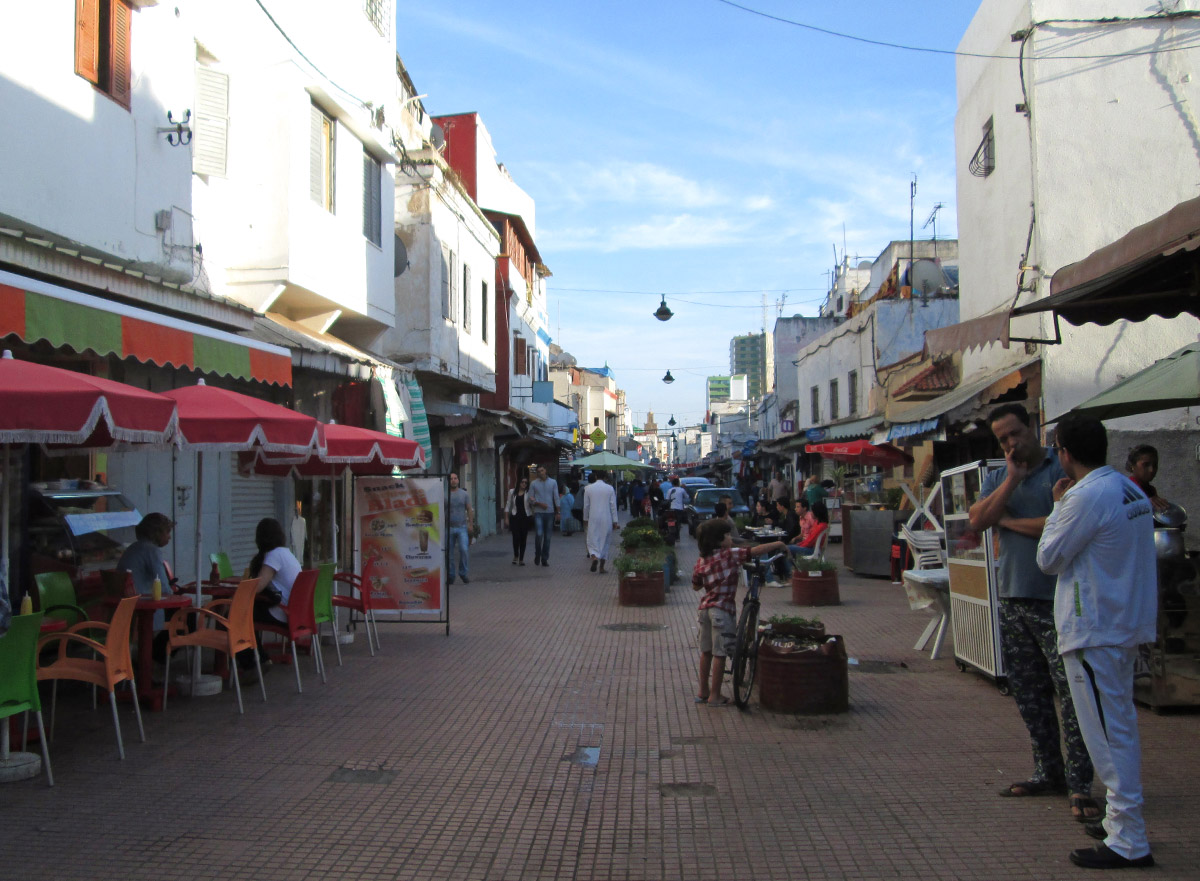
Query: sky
x,y
692,149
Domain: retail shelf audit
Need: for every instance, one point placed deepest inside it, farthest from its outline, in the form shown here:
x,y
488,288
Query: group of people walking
x,y
542,503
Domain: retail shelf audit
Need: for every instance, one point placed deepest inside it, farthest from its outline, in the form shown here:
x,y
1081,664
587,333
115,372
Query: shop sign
x,y
815,435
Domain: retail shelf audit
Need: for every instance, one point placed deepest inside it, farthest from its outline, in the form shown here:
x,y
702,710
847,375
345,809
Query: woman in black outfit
x,y
518,519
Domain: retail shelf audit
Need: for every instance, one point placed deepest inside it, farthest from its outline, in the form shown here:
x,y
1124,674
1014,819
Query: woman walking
x,y
517,518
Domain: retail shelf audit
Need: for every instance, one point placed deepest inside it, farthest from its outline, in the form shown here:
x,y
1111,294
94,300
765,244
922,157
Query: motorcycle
x,y
668,524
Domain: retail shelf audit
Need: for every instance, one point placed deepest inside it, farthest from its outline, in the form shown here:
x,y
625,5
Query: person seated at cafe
x,y
805,546
143,560
762,516
1142,465
806,519
785,518
275,567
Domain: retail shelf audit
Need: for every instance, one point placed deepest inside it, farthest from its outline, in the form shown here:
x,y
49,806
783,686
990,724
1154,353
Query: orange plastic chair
x,y
359,601
301,622
18,678
111,667
229,633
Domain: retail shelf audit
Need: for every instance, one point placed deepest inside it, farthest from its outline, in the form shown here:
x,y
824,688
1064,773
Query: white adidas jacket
x,y
1099,541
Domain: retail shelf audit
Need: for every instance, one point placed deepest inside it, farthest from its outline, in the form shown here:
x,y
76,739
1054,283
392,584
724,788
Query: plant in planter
x,y
640,577
796,625
641,538
812,564
814,582
640,561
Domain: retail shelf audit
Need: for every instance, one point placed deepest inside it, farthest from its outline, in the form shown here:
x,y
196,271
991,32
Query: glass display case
x,y
972,559
79,527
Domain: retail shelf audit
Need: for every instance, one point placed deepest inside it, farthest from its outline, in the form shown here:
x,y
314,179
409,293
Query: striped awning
x,y
36,310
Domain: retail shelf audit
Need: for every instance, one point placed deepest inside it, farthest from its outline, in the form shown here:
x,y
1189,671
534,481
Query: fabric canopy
x,y
49,405
1173,381
212,418
342,448
863,452
606,461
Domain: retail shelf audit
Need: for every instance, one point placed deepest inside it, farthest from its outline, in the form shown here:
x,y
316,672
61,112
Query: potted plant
x,y
795,625
640,576
814,582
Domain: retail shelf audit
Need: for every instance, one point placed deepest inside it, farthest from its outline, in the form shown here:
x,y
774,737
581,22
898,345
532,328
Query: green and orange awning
x,y
38,311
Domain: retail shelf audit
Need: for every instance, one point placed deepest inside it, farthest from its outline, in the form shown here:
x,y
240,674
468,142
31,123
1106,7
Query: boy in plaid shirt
x,y
716,573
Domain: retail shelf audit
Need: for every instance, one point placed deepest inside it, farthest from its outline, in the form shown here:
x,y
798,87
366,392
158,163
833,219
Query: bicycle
x,y
747,636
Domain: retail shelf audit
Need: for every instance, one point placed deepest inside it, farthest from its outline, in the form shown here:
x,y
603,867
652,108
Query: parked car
x,y
704,500
691,484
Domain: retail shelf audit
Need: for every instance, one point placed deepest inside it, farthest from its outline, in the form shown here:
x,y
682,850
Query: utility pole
x,y
912,201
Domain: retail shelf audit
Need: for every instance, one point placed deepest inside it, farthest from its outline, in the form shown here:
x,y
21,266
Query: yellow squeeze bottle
x,y
26,605
156,589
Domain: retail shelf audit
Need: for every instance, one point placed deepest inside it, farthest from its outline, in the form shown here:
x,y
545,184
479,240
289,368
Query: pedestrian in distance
x,y
777,489
462,525
1016,499
599,510
518,519
566,510
1099,541
543,492
814,490
716,573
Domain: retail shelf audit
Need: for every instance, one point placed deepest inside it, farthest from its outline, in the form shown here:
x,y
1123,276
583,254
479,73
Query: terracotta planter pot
x,y
814,680
641,589
815,588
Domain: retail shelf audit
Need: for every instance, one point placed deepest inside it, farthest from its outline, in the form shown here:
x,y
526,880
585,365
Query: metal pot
x,y
1168,543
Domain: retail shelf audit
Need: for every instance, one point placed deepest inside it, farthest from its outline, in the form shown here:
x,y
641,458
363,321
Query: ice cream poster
x,y
400,524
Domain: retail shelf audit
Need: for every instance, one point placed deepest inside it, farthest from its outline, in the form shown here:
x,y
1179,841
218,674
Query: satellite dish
x,y
926,278
401,258
438,137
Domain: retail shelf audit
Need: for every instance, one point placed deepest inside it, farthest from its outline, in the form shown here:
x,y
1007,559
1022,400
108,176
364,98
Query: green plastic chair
x,y
56,598
18,678
323,606
224,568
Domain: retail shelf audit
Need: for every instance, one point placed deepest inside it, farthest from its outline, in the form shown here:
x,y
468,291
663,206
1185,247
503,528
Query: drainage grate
x,y
860,666
634,627
351,775
584,755
687,790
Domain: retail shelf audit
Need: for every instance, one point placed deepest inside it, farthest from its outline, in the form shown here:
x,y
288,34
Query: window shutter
x,y
483,314
518,357
210,122
87,39
121,67
372,198
466,298
316,156
445,283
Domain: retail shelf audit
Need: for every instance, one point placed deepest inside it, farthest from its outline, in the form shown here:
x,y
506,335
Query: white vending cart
x,y
972,559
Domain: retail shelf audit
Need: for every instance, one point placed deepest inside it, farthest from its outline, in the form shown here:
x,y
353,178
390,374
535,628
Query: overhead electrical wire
x,y
954,52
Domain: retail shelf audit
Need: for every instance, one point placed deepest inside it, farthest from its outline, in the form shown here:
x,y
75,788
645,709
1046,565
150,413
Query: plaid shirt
x,y
717,575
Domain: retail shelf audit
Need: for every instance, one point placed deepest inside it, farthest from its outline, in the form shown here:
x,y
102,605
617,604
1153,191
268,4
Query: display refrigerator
x,y
972,558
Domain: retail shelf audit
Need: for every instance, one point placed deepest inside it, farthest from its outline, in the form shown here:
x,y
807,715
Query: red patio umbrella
x,y
863,452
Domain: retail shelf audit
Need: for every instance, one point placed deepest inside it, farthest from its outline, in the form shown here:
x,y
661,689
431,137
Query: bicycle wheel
x,y
745,655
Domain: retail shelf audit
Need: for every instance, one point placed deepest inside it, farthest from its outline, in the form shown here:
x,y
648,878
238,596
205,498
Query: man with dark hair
x,y
1015,499
1099,540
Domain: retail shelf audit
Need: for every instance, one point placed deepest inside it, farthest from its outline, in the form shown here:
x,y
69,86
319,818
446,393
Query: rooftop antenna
x,y
933,220
912,201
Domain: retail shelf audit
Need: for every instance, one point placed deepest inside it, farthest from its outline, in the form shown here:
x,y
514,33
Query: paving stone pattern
x,y
538,741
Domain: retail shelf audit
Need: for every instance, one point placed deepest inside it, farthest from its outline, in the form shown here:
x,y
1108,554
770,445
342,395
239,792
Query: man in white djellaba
x,y
599,511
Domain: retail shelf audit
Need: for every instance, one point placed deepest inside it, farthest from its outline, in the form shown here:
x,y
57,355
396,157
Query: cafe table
x,y
148,693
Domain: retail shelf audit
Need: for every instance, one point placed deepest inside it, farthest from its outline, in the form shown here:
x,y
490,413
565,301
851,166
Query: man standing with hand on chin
x,y
1016,500
1099,540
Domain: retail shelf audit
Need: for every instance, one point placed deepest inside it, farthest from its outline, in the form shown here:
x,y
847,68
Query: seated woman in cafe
x,y
762,515
275,566
803,545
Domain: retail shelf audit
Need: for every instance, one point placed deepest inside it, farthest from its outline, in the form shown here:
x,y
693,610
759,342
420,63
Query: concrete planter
x,y
803,677
638,589
812,587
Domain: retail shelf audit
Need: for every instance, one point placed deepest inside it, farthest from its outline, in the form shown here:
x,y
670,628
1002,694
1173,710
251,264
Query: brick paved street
x,y
535,742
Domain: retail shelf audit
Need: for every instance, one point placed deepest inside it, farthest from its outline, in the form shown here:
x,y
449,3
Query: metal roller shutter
x,y
251,499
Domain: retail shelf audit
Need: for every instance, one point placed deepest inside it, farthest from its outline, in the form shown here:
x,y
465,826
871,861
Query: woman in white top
x,y
518,517
275,566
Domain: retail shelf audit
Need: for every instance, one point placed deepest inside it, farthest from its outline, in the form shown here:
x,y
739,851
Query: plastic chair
x,y
225,573
818,550
927,585
359,601
18,678
112,666
56,598
301,622
229,633
323,605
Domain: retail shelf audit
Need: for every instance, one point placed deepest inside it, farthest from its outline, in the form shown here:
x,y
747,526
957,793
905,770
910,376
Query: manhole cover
x,y
350,775
584,755
634,627
687,790
861,666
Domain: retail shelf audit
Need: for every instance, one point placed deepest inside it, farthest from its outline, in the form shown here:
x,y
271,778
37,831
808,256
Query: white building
x,y
1094,148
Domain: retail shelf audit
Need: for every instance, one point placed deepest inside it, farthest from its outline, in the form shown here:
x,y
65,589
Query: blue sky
x,y
690,148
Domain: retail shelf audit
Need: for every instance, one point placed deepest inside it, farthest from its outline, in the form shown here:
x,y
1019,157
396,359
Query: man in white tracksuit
x,y
1099,540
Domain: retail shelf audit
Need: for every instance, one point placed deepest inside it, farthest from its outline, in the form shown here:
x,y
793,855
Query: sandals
x,y
1033,788
722,702
1081,804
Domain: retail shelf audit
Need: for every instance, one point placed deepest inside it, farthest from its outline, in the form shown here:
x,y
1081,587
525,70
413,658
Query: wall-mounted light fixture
x,y
668,379
178,132
663,312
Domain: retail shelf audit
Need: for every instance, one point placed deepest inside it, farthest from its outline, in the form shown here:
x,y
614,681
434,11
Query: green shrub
x,y
793,621
812,564
644,560
641,537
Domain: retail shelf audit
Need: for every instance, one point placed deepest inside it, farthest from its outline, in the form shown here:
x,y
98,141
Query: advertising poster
x,y
399,534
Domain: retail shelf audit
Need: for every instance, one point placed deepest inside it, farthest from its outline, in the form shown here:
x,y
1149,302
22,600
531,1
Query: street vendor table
x,y
144,612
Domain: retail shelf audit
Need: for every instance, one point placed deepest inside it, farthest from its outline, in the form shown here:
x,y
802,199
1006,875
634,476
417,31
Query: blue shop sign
x,y
815,435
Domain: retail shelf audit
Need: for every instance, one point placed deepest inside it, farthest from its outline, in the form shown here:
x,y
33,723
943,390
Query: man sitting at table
x,y
143,561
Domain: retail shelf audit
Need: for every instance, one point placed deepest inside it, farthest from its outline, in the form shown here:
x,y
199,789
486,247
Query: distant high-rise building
x,y
717,390
748,355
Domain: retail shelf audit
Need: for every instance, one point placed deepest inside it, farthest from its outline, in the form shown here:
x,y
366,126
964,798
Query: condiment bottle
x,y
26,605
156,588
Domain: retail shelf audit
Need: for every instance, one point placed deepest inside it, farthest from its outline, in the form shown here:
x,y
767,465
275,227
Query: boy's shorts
x,y
715,632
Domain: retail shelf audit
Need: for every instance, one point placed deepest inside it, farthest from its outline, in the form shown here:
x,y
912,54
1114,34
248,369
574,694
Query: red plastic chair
x,y
301,622
359,601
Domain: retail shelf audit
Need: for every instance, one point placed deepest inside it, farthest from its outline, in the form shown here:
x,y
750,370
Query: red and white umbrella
x,y
863,452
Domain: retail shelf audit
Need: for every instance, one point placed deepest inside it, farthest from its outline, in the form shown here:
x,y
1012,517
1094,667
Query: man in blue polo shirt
x,y
1016,500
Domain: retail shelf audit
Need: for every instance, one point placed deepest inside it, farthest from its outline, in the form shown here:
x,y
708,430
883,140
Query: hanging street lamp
x,y
663,312
668,379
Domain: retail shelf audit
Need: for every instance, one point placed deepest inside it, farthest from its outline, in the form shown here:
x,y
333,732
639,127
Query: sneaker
x,y
466,580
537,561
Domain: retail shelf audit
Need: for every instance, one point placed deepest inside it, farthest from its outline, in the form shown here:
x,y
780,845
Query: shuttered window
x,y
445,283
102,46
483,314
320,159
210,125
372,198
466,298
519,358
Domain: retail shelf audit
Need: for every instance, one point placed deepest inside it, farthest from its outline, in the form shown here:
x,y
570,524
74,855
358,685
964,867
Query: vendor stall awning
x,y
911,429
966,335
976,392
848,430
36,310
1151,270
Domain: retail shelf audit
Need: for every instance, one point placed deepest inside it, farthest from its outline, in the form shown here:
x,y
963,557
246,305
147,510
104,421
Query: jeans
x,y
543,528
460,540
